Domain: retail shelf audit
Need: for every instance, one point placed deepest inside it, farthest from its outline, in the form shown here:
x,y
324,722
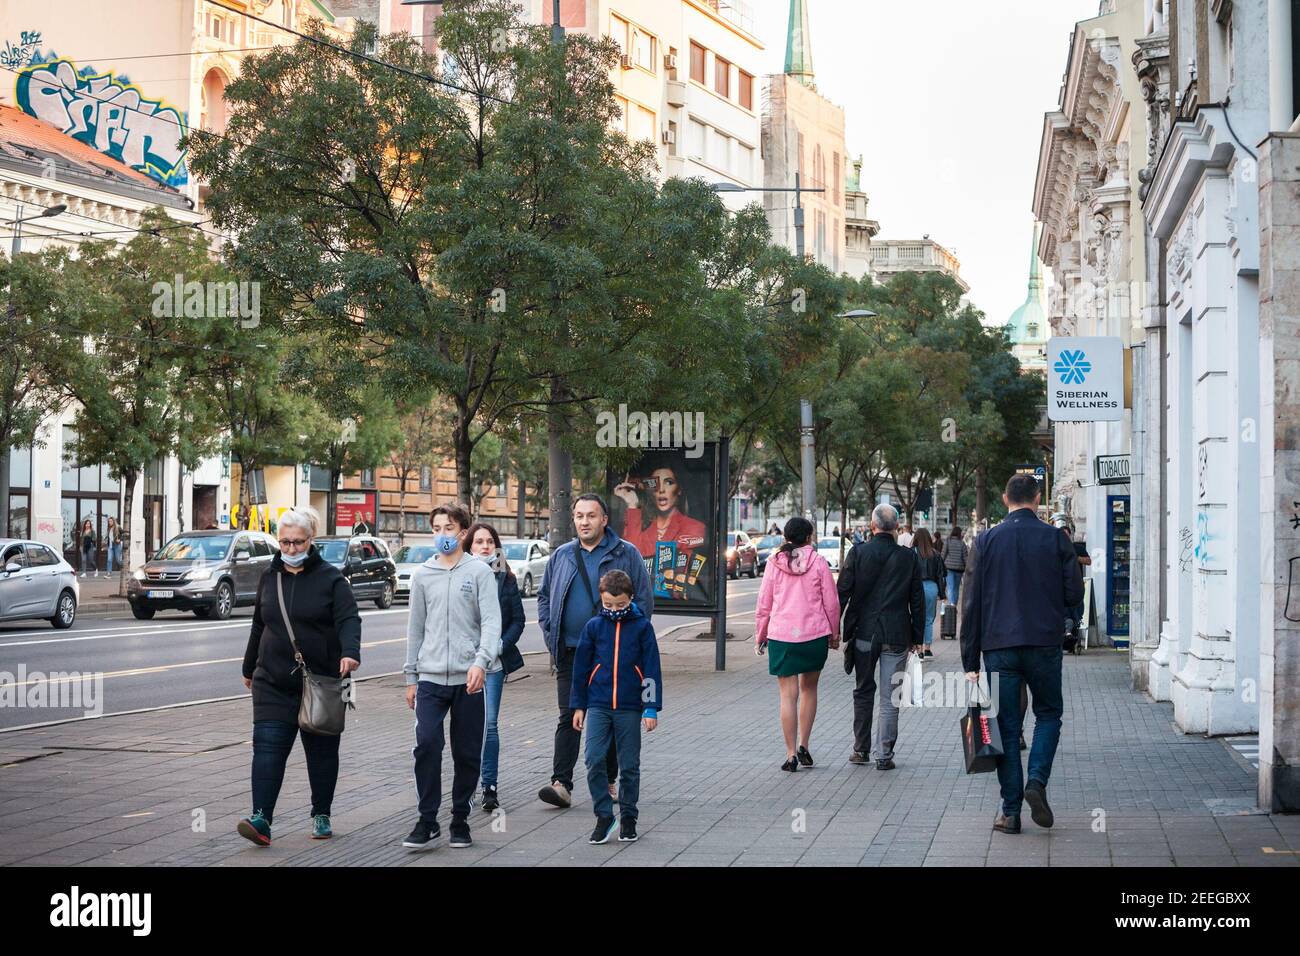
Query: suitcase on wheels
x,y
948,627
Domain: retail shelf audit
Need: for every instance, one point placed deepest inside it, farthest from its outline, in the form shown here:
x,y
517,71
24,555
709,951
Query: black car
x,y
365,562
768,545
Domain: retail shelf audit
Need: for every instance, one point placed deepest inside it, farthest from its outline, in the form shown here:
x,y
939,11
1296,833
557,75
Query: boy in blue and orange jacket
x,y
617,689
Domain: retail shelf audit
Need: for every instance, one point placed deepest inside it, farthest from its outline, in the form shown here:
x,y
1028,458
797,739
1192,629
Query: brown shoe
x,y
859,757
556,794
1007,824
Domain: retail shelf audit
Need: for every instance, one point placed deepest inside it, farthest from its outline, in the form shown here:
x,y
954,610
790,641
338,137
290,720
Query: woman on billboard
x,y
664,516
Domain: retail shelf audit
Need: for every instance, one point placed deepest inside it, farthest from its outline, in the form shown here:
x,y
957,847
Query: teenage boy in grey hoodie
x,y
453,637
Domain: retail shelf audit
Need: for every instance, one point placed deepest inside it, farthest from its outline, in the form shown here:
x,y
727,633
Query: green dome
x,y
1028,324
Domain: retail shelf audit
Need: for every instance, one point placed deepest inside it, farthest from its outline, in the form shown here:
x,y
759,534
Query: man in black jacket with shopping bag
x,y
1020,577
880,589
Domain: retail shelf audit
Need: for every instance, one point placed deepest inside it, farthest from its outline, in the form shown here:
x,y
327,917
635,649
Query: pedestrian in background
x,y
798,622
1020,578
905,536
617,689
453,638
566,601
954,562
880,588
113,543
485,543
88,547
932,582
320,606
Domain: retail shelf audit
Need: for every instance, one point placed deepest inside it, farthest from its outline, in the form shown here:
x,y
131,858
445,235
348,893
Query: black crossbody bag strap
x,y
582,573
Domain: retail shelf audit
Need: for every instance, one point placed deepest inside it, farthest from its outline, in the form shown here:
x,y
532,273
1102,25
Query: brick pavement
x,y
125,790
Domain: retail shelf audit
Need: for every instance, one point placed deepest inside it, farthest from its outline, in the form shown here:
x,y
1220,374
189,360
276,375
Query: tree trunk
x,y
180,497
332,502
559,468
981,495
401,508
463,450
128,507
521,507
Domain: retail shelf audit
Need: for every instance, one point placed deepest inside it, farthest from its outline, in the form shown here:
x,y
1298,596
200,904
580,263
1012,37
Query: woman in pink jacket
x,y
798,623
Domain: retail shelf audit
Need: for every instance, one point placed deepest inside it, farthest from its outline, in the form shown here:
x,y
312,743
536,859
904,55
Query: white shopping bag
x,y
915,678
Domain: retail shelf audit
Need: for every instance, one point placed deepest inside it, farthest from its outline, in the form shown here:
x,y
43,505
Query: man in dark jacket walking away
x,y
1020,577
566,601
880,588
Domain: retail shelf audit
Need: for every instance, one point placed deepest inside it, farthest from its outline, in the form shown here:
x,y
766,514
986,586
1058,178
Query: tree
x,y
30,349
419,440
142,353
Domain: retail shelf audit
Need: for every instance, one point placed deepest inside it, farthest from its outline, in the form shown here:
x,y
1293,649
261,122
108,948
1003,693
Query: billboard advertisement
x,y
355,510
666,506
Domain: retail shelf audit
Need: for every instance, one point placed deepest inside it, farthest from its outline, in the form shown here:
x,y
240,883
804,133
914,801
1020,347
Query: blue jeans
x,y
491,739
624,728
114,555
1040,668
954,587
272,741
931,589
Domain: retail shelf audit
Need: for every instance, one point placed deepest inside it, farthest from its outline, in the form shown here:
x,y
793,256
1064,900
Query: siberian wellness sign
x,y
1085,379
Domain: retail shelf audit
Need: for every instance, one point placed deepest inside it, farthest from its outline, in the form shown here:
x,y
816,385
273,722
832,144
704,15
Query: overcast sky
x,y
944,99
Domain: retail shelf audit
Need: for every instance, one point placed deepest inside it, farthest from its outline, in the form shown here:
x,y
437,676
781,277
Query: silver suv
x,y
207,572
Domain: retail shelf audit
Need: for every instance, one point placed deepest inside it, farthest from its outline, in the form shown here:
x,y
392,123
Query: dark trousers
x,y
433,702
890,661
567,740
622,728
1040,669
272,741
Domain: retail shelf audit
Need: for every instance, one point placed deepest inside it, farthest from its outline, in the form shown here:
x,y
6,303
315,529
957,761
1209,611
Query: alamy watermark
x,y
624,429
209,300
62,690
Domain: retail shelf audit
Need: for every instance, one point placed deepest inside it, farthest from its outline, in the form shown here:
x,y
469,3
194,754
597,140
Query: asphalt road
x,y
177,658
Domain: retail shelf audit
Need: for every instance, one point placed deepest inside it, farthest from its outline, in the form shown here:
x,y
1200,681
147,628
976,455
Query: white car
x,y
829,548
407,558
527,558
36,582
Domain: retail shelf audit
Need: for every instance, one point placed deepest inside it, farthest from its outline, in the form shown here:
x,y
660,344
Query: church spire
x,y
798,45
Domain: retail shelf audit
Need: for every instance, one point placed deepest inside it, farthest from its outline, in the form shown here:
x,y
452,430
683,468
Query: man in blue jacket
x,y
566,601
1020,577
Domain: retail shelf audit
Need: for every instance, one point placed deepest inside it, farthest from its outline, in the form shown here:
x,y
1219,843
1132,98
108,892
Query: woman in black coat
x,y
327,627
484,542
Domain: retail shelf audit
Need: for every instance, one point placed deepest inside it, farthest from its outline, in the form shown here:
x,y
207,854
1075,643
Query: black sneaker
x,y
422,837
627,831
490,801
886,764
604,830
460,833
804,756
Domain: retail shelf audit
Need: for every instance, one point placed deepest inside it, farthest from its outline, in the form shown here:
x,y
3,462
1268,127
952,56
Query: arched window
x,y
214,115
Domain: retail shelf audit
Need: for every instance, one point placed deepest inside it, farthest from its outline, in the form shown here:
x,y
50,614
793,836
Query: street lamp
x,y
807,457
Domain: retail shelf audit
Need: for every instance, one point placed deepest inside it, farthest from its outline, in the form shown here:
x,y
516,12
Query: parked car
x,y
741,554
36,582
365,562
208,572
767,546
406,559
829,548
527,558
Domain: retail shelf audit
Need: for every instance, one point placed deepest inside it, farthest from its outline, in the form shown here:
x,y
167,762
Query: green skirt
x,y
787,658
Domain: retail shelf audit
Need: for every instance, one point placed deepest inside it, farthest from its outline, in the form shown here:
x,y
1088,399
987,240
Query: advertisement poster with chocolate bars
x,y
666,506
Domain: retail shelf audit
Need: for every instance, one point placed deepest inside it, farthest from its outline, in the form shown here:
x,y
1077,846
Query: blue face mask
x,y
294,560
446,543
610,614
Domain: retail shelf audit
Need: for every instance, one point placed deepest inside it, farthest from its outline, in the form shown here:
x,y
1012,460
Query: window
x,y
744,162
260,548
354,551
618,30
644,49
719,149
621,122
645,124
722,77
698,132
39,556
367,477
697,62
13,555
381,549
368,552
836,182
426,478
672,138
242,543
746,91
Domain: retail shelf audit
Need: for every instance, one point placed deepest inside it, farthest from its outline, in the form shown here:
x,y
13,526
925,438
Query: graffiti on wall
x,y
16,56
106,112
1185,557
1203,538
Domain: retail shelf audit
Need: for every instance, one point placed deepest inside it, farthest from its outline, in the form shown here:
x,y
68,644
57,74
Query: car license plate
x,y
160,594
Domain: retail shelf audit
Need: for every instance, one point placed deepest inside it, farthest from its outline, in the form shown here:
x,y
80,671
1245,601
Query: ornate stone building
x,y
1084,197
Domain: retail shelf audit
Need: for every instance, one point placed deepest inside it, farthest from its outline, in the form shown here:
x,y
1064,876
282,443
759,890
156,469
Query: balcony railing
x,y
739,12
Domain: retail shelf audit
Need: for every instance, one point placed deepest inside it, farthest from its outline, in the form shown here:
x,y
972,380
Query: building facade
x,y
859,230
803,145
892,256
1085,198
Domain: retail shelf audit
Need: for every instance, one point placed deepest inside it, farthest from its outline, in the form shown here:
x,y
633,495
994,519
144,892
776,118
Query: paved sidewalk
x,y
167,787
99,593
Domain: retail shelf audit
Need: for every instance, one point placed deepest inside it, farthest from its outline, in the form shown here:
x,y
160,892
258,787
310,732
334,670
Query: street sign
x,y
1085,378
1112,469
1038,471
